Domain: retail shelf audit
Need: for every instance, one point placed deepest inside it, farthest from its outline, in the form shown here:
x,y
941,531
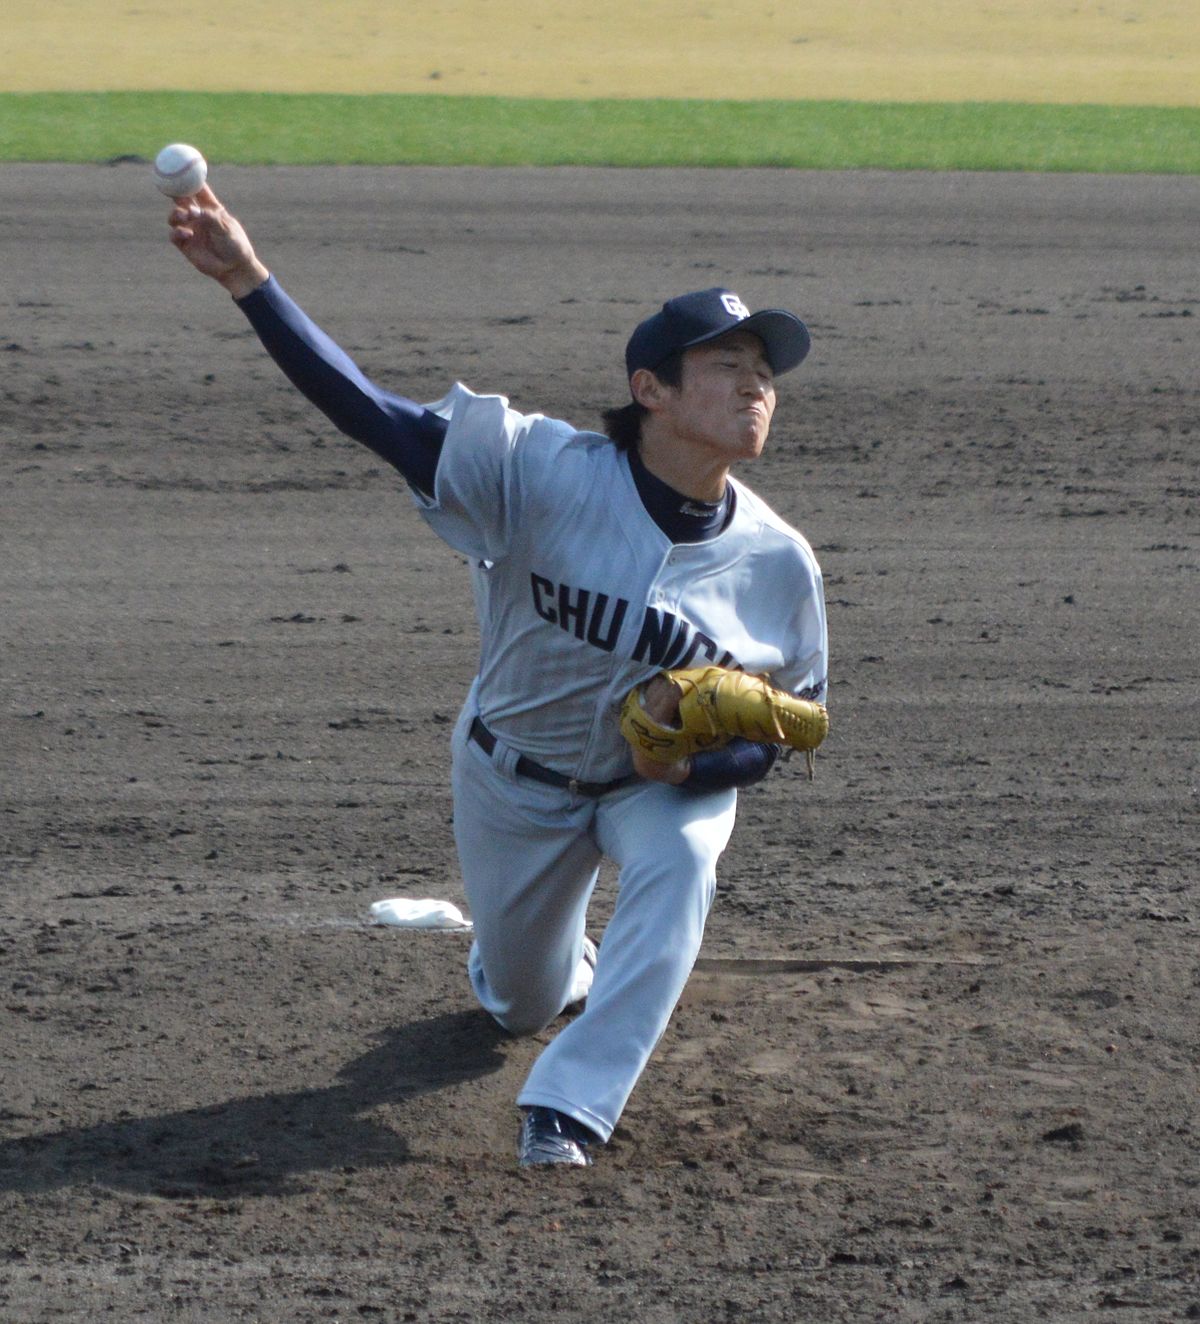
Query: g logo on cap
x,y
734,306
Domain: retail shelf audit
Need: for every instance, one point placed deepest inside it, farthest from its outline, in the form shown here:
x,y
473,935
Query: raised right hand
x,y
215,243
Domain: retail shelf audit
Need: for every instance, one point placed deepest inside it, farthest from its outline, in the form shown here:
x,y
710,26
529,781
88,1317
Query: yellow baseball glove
x,y
716,704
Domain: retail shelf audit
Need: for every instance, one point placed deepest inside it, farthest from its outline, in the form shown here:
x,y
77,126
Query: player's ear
x,y
647,390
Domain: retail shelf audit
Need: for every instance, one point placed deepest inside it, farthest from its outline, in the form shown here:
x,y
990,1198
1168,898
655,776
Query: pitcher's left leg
x,y
666,842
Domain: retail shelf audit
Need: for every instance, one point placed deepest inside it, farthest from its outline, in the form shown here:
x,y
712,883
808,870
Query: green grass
x,y
271,128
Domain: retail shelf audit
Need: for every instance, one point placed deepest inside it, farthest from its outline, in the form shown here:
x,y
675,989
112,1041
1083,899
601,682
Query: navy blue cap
x,y
691,319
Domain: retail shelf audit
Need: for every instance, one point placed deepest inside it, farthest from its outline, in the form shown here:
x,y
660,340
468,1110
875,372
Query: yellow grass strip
x,y
1135,52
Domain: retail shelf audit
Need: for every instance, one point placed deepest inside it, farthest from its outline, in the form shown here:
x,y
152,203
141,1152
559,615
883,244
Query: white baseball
x,y
179,170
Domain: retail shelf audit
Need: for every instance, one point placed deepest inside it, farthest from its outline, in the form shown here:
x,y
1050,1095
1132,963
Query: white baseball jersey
x,y
580,595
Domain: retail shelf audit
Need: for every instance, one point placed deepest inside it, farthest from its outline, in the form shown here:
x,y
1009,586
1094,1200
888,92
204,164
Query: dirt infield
x,y
939,1060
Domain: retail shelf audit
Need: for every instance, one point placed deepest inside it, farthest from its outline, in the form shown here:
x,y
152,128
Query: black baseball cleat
x,y
548,1136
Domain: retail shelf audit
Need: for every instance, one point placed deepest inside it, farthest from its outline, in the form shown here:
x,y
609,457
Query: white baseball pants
x,y
530,856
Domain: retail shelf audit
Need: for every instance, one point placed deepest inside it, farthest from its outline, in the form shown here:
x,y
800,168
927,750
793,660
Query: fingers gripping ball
x,y
716,704
179,170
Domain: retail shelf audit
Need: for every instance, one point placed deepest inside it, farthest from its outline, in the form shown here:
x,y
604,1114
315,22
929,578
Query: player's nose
x,y
753,382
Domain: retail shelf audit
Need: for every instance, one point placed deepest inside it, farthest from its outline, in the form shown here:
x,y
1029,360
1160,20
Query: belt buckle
x,y
573,785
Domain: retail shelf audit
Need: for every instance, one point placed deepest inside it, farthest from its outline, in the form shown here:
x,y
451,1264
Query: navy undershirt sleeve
x,y
739,763
397,429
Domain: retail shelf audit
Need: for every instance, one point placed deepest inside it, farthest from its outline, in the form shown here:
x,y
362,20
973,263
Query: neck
x,y
692,475
683,519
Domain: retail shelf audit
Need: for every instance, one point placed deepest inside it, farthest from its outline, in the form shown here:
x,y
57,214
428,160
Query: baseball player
x,y
607,569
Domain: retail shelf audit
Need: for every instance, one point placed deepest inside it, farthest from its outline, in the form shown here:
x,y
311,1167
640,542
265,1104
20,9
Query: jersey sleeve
x,y
492,462
806,666
811,680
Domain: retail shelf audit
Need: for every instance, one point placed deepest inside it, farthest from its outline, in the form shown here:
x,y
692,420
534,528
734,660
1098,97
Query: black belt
x,y
535,772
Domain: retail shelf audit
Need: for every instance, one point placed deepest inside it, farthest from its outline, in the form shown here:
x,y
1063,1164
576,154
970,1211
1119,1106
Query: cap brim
x,y
784,336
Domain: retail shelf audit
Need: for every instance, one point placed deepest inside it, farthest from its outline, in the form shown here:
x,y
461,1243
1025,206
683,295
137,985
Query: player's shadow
x,y
261,1144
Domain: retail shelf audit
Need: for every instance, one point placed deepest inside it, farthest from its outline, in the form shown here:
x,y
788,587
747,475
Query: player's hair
x,y
623,424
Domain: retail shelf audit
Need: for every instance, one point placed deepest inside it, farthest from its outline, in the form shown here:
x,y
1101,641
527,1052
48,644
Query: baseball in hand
x,y
179,170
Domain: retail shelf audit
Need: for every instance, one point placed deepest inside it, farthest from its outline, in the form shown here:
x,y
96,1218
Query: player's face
x,y
726,398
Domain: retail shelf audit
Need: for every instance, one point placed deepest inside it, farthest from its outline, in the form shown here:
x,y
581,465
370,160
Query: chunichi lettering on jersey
x,y
582,612
665,640
668,640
